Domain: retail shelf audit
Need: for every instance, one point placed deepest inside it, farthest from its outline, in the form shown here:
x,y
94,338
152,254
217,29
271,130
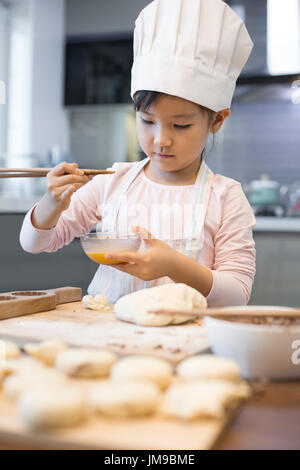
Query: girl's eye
x,y
146,122
175,125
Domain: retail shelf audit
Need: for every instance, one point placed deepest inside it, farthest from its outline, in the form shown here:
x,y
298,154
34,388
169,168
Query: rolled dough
x,y
133,307
87,363
143,368
48,406
8,350
197,399
46,351
208,366
15,384
124,399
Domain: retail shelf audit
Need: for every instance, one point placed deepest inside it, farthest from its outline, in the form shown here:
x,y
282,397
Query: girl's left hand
x,y
156,262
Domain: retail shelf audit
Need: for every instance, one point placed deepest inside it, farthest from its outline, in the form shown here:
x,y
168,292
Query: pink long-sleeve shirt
x,y
228,247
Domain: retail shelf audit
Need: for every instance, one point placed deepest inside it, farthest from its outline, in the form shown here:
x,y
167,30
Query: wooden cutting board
x,y
78,326
97,432
13,304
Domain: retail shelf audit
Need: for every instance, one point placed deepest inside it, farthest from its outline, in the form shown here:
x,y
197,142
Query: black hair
x,y
143,99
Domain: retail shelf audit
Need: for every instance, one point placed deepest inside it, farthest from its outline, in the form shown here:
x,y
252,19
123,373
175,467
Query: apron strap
x,y
125,183
201,194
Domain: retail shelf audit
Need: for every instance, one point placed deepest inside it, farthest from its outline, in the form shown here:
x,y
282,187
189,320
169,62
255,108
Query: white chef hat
x,y
193,49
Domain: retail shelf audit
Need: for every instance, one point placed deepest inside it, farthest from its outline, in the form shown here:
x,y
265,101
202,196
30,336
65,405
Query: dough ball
x,y
143,368
5,370
86,363
208,366
49,406
203,399
124,399
46,351
99,302
15,384
14,366
133,307
8,350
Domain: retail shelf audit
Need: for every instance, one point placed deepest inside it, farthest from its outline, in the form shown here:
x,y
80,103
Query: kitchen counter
x,y
263,224
277,224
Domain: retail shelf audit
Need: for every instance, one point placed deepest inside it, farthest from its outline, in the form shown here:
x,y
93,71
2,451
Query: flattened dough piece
x,y
15,384
125,399
208,366
86,363
20,365
48,406
143,368
133,307
45,351
15,366
203,399
8,350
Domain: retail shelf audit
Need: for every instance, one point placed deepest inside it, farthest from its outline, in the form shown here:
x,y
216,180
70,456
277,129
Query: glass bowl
x,y
96,245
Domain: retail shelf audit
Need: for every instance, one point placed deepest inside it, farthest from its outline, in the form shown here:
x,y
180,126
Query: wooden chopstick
x,y
22,175
40,172
221,312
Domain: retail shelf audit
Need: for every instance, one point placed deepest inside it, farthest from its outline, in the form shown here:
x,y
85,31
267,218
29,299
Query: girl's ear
x,y
218,120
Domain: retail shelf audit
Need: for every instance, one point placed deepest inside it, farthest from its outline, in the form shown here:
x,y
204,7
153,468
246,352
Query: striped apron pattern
x,y
114,283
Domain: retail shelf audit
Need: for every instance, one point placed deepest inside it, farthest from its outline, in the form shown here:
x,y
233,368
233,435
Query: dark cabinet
x,y
98,70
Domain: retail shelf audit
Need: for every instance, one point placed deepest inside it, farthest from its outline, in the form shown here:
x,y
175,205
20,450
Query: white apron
x,y
114,283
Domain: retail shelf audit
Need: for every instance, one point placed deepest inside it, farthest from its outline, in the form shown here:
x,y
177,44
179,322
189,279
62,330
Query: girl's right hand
x,y
62,182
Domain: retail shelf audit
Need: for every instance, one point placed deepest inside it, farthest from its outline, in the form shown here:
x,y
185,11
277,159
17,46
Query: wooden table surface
x,y
270,420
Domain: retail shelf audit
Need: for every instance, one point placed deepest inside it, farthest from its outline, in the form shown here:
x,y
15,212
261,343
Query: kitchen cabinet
x,y
277,279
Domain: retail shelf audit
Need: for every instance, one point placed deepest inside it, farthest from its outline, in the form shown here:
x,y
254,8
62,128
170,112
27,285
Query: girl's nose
x,y
161,139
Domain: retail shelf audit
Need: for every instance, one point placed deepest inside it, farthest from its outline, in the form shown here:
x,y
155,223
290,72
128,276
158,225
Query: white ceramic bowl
x,y
262,351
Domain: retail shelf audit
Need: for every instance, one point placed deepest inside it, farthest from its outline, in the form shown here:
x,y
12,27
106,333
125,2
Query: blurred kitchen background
x,y
66,65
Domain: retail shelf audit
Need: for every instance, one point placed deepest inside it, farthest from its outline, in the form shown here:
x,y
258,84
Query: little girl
x,y
196,225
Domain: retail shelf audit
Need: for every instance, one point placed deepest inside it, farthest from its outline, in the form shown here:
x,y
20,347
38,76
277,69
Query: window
x,y
283,31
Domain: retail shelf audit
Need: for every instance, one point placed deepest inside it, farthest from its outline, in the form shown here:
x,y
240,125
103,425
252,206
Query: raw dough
x,y
46,351
133,307
8,350
195,399
208,366
143,368
15,384
14,366
87,363
124,399
48,406
99,302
